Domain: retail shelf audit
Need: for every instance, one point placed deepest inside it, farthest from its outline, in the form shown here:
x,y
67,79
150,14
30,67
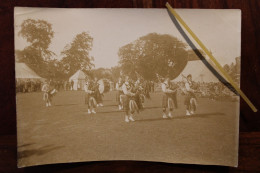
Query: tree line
x,y
147,56
39,34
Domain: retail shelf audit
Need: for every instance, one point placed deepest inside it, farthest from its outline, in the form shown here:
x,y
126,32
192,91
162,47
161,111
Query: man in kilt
x,y
168,97
120,93
90,96
190,99
129,100
139,91
48,92
98,96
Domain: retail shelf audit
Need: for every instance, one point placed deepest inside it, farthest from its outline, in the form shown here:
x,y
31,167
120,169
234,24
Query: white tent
x,y
78,80
199,72
22,71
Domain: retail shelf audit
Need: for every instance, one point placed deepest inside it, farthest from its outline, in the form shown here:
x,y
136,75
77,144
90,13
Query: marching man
x,y
168,97
48,92
190,100
120,93
139,93
126,87
98,96
46,89
90,94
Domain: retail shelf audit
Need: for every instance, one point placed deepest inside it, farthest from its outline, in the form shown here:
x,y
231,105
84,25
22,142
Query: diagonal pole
x,y
213,59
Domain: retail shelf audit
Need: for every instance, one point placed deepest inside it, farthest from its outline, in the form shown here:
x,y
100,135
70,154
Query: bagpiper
x,y
90,96
98,96
168,97
48,92
120,93
129,102
139,90
190,100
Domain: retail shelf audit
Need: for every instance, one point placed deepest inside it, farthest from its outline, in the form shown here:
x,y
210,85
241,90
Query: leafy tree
x,y
226,68
154,53
102,73
39,34
233,70
31,57
115,72
76,54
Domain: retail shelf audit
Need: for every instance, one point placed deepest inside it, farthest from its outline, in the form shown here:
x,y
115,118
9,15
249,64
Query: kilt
x,y
188,98
138,101
125,100
133,106
45,96
98,97
48,96
90,100
167,101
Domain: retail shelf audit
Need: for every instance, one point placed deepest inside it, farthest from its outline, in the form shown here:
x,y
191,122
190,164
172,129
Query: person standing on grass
x,y
190,99
98,97
90,95
49,92
127,87
119,94
168,97
139,93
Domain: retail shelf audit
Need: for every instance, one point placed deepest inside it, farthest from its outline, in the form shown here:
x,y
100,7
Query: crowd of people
x,y
28,85
35,85
212,90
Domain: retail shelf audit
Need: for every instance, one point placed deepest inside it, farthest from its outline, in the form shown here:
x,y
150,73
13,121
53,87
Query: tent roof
x,y
22,71
199,72
78,75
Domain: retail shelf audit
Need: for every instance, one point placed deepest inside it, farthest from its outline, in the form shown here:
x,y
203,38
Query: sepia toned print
x,y
125,84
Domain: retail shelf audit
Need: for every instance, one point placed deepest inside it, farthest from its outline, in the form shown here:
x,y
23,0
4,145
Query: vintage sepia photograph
x,y
125,84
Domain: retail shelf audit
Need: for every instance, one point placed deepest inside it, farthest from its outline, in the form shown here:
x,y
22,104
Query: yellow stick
x,y
229,79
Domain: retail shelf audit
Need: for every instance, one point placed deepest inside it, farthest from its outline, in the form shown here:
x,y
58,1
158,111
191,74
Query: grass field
x,y
66,133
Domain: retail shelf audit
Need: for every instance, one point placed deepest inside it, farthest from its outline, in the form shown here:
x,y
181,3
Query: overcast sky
x,y
219,30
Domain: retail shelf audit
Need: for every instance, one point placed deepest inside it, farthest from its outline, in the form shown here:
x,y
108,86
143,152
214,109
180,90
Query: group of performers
x,y
132,94
170,96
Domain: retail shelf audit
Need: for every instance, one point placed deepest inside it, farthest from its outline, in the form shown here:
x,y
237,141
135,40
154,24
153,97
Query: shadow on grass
x,y
106,112
38,152
113,105
115,111
66,104
153,107
205,115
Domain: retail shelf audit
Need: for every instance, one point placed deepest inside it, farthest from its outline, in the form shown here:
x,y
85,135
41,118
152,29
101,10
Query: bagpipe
x,y
195,89
49,94
53,92
130,87
49,91
92,86
172,86
143,87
